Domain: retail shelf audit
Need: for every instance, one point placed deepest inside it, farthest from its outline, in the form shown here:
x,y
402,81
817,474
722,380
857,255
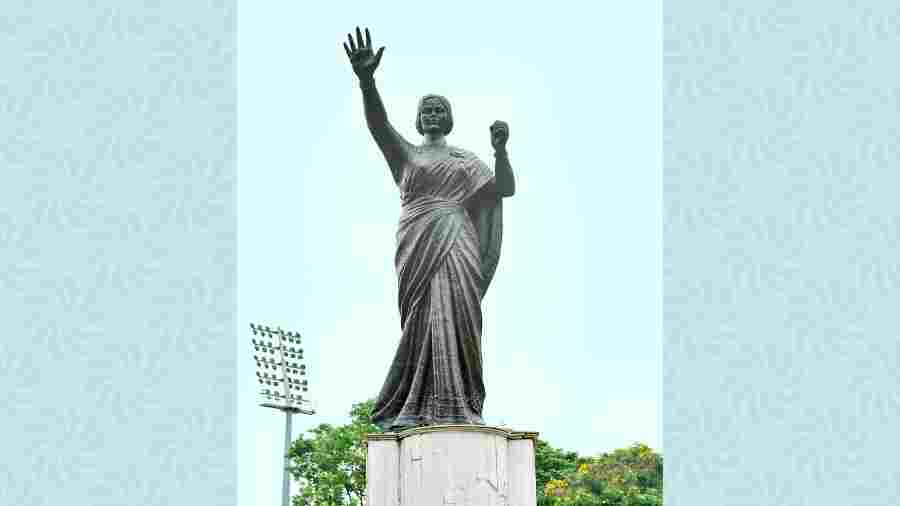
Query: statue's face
x,y
434,116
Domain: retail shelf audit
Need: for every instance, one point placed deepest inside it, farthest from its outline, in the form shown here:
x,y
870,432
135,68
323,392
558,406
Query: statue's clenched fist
x,y
499,135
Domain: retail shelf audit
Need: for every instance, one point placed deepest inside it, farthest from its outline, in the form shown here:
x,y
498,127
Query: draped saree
x,y
448,246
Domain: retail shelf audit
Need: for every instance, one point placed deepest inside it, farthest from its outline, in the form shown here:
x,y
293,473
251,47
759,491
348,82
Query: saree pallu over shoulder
x,y
448,246
486,211
488,220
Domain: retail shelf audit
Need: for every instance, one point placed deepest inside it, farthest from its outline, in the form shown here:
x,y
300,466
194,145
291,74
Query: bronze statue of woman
x,y
448,246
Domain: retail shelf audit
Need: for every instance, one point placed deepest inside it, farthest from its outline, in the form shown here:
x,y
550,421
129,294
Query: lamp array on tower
x,y
279,368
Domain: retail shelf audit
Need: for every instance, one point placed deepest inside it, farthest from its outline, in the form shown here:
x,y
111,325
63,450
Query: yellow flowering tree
x,y
625,477
552,465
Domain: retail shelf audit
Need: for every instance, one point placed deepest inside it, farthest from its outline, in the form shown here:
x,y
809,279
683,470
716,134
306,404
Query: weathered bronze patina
x,y
448,246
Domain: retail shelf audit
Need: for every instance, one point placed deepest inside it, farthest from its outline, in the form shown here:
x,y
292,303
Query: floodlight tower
x,y
279,372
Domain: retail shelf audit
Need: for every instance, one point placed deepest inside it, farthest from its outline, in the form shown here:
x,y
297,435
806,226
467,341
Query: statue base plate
x,y
463,465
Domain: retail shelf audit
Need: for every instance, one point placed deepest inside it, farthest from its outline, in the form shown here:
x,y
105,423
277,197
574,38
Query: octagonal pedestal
x,y
463,465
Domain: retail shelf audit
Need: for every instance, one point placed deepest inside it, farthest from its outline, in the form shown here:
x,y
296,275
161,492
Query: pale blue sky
x,y
572,327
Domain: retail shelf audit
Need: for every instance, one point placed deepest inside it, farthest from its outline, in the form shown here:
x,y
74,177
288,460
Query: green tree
x,y
551,464
624,477
330,462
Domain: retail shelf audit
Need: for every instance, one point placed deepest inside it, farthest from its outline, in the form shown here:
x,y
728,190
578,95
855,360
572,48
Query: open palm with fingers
x,y
362,58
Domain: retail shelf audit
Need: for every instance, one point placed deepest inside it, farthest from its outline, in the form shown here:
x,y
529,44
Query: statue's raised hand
x,y
360,53
499,135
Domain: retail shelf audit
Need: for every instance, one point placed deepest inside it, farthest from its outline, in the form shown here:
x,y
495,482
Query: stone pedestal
x,y
462,465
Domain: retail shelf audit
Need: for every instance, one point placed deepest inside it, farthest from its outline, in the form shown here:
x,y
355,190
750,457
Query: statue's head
x,y
434,114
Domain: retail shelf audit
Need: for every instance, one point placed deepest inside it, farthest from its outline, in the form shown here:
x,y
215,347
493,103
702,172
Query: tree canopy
x,y
330,462
624,477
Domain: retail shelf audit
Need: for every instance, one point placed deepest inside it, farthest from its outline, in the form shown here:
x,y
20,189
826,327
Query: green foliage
x,y
625,477
552,463
330,462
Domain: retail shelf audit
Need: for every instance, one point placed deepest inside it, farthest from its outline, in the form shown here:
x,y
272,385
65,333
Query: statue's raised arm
x,y
395,148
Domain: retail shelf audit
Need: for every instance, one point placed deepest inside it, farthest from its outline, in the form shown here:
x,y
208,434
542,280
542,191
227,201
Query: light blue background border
x,y
118,245
781,253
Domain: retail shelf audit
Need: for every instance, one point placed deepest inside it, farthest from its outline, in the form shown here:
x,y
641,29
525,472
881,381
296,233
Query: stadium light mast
x,y
279,372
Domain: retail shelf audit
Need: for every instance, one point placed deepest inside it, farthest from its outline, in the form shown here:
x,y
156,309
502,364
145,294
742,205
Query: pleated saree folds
x,y
448,246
